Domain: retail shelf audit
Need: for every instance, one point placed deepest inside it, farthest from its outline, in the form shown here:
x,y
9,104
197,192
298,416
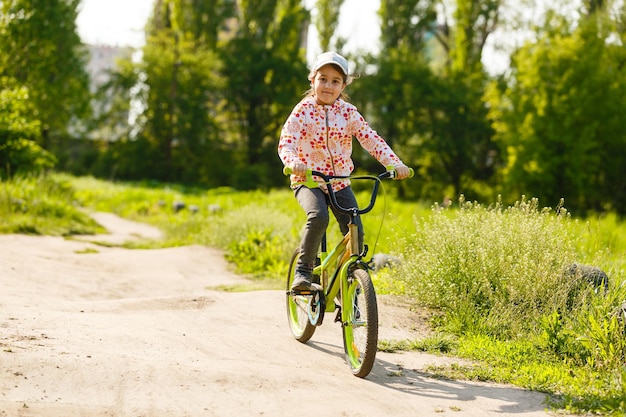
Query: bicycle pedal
x,y
309,291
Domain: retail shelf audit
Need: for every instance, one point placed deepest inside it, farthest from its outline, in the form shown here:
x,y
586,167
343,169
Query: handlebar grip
x,y
392,170
310,182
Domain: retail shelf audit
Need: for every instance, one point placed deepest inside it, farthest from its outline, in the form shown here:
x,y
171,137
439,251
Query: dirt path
x,y
88,330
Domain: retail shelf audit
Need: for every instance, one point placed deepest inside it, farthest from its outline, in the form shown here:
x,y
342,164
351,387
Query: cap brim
x,y
331,62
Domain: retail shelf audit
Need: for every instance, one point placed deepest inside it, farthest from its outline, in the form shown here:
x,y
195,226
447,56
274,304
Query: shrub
x,y
492,270
41,205
19,152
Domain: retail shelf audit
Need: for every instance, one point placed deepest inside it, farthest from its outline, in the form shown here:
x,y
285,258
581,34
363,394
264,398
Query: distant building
x,y
103,58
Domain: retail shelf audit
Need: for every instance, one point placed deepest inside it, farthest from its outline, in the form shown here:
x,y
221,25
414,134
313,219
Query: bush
x,y
492,270
42,205
19,153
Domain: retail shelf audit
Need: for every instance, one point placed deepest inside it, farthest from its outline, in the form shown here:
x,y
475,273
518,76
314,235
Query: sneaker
x,y
301,281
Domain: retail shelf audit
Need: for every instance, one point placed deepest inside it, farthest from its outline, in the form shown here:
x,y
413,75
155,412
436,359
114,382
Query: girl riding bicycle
x,y
318,135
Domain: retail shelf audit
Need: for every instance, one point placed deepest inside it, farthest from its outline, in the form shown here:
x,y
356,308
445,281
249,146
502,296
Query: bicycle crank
x,y
316,303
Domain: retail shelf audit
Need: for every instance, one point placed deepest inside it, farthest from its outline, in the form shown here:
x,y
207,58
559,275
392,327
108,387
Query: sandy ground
x,y
90,330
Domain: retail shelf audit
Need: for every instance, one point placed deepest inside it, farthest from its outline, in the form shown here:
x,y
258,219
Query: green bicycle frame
x,y
339,260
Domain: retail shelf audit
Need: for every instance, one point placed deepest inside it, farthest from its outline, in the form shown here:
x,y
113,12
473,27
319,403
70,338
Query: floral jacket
x,y
321,137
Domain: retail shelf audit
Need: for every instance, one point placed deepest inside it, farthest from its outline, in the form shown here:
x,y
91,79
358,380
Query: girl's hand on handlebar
x,y
402,172
299,169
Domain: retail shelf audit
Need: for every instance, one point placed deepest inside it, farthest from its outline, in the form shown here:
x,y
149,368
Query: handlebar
x,y
311,183
389,173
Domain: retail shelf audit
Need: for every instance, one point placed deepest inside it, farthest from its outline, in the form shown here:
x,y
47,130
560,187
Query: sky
x,y
100,22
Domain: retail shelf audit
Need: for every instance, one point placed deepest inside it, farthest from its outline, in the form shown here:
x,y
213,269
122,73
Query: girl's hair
x,y
347,80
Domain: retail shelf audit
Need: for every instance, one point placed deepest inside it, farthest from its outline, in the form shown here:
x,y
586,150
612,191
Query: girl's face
x,y
328,84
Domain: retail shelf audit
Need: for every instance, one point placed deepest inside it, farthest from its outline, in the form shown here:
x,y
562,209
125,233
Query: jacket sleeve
x,y
290,136
371,141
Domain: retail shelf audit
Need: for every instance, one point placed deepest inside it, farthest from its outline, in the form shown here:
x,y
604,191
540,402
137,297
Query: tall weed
x,y
42,205
601,326
493,270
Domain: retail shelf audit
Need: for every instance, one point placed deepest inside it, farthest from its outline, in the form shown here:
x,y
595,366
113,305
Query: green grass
x,y
42,206
438,343
492,274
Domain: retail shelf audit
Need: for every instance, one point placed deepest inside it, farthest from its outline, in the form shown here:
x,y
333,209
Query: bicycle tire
x,y
360,330
298,307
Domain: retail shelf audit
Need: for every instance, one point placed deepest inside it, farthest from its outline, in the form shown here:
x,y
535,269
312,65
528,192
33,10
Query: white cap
x,y
331,58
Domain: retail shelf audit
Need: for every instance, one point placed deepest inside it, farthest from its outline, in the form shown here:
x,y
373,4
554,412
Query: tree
x,y
407,24
561,125
474,21
179,95
428,93
265,71
392,87
40,49
19,152
326,22
213,99
463,138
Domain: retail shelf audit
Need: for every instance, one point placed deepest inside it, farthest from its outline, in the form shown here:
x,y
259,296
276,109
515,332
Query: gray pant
x,y
315,204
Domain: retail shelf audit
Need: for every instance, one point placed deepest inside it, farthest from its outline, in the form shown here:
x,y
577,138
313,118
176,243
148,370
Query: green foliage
x,y
265,73
497,275
558,119
461,154
180,105
426,95
406,114
19,152
437,343
554,334
41,49
477,265
112,102
475,20
578,389
215,83
326,22
218,78
23,156
221,80
42,206
261,253
601,326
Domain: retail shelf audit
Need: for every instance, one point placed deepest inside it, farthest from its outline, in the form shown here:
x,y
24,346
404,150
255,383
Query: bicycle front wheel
x,y
360,329
298,307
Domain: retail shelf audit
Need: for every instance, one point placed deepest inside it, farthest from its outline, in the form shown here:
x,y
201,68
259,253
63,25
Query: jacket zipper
x,y
332,162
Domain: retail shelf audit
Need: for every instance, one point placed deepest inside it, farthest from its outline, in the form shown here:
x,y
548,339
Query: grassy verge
x,y
495,275
501,279
42,206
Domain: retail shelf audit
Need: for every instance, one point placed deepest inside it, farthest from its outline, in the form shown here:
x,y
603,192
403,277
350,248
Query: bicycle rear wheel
x,y
298,307
360,330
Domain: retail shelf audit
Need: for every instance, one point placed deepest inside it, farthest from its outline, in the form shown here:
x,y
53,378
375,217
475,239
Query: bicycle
x,y
341,282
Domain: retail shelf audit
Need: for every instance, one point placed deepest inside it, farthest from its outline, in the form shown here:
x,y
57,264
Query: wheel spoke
x,y
361,329
298,307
